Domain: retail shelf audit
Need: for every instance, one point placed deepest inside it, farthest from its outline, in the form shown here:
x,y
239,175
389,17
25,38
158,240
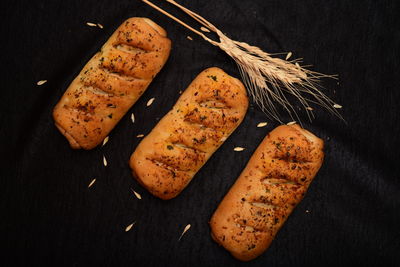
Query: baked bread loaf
x,y
272,184
204,116
111,82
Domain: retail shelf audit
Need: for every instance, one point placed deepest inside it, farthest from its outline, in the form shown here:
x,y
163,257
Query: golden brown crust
x,y
272,184
111,82
204,116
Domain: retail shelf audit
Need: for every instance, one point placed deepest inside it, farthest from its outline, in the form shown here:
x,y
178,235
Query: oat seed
x,y
262,124
151,100
238,148
41,82
91,24
337,106
133,118
92,182
190,38
104,161
129,227
187,227
100,26
139,135
288,55
291,123
309,108
136,194
105,141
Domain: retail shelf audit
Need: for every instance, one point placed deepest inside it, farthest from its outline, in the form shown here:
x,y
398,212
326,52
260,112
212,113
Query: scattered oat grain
x,y
151,100
105,141
91,24
187,227
129,227
41,82
190,38
309,108
104,161
92,182
136,194
139,135
262,124
291,123
133,118
297,65
238,148
337,106
288,55
100,26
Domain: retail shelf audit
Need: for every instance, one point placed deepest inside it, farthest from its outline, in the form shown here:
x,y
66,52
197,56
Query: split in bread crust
x,y
111,82
272,184
204,116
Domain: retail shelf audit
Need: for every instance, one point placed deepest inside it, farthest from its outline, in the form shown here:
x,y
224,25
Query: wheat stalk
x,y
268,79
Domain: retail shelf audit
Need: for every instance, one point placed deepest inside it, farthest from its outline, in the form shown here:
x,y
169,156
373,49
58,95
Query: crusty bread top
x,y
156,27
207,112
272,184
111,82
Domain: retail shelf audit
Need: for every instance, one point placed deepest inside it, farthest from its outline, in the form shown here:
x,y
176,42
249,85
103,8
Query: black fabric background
x,y
48,215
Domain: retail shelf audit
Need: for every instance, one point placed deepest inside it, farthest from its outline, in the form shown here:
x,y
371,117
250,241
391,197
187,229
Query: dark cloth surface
x,y
49,217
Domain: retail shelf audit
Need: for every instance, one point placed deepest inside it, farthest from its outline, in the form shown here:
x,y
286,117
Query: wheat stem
x,y
197,17
179,21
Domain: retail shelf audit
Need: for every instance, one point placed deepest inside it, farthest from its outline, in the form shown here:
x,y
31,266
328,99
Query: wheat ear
x,y
268,79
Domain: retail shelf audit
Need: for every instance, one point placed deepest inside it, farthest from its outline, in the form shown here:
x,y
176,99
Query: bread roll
x,y
204,116
272,184
111,82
